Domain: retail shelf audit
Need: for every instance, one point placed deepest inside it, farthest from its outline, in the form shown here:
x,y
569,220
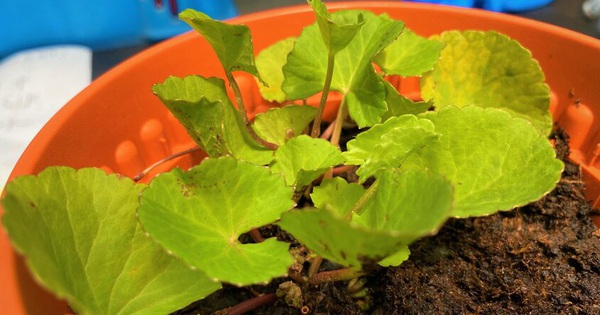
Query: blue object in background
x,y
160,17
494,5
98,24
458,3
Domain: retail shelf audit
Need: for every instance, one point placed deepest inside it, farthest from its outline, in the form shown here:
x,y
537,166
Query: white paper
x,y
34,85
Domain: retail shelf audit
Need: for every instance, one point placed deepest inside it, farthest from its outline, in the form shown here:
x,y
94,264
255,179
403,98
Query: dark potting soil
x,y
543,258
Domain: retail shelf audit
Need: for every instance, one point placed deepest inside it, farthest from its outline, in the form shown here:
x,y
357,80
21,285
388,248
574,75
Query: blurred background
x,y
108,26
51,50
565,13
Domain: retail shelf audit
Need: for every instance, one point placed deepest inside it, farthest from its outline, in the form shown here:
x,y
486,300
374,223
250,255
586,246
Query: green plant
x,y
476,146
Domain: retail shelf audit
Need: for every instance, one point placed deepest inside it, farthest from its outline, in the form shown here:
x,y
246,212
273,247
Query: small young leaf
x,y
335,34
387,145
334,238
279,124
198,104
204,109
80,235
336,194
232,43
270,63
409,55
397,258
495,161
200,214
489,69
354,75
302,159
399,105
408,213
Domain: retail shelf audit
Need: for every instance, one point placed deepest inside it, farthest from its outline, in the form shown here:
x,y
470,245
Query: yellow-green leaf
x,y
495,161
79,233
488,69
200,214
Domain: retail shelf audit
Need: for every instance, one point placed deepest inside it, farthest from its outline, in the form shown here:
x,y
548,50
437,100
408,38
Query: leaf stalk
x,y
357,208
252,304
316,128
242,108
339,122
238,96
145,172
315,264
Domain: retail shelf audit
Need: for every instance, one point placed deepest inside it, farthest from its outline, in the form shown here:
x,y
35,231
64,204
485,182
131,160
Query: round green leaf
x,y
202,106
232,43
353,74
415,202
338,33
334,238
200,214
277,125
270,62
489,69
397,258
336,194
409,55
80,236
399,105
495,161
302,159
387,145
405,207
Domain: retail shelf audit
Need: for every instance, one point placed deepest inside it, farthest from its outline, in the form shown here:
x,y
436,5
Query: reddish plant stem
x,y
256,236
145,172
297,277
252,304
335,275
261,141
342,169
238,97
242,108
315,264
327,133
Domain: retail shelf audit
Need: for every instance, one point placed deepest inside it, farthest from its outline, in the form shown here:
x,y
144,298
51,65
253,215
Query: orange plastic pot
x,y
118,124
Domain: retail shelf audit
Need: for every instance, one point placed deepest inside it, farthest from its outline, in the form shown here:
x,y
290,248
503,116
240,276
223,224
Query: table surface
x,y
564,13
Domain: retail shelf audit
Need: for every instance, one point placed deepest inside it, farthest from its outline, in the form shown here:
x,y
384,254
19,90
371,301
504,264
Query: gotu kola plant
x,y
476,145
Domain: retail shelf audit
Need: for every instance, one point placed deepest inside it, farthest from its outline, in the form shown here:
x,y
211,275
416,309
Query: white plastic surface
x,y
34,85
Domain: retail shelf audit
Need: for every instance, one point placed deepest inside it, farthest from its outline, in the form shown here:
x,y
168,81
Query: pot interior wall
x,y
119,125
